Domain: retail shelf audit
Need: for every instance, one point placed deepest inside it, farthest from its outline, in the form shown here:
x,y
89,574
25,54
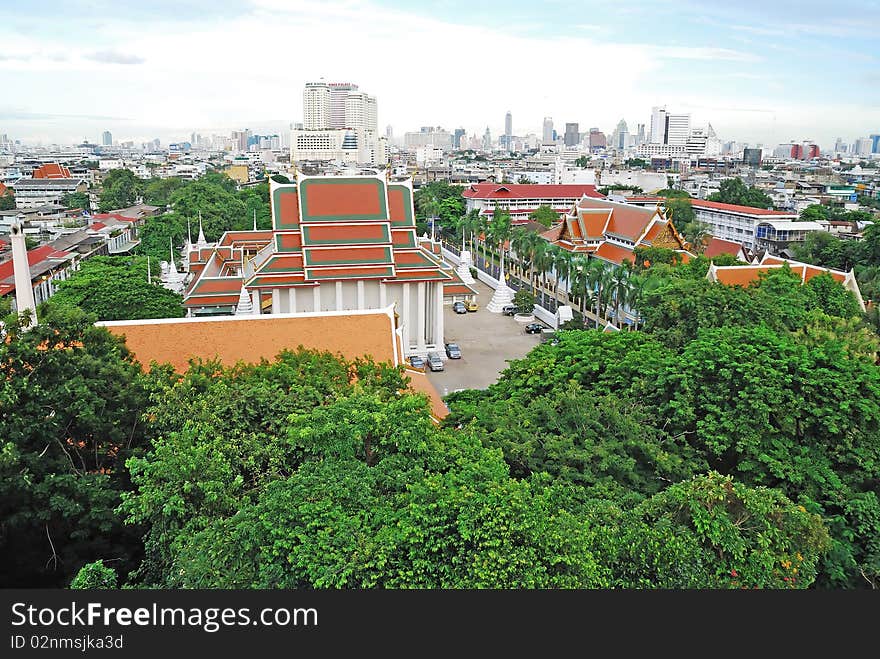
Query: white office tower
x,y
547,137
678,128
316,106
658,125
339,94
360,112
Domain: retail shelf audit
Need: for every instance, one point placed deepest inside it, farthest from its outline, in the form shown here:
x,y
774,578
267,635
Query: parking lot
x,y
487,341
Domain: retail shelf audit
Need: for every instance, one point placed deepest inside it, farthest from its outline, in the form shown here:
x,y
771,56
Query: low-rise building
x,y
520,200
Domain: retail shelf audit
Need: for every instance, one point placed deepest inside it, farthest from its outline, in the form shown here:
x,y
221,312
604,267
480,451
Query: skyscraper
x,y
316,106
547,136
106,138
508,129
875,143
457,138
658,125
572,136
340,92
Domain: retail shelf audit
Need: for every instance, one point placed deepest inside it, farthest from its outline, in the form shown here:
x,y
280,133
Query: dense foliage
x,y
775,386
734,191
116,288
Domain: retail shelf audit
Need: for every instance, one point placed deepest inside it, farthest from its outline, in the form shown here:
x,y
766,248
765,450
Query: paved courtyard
x,y
487,341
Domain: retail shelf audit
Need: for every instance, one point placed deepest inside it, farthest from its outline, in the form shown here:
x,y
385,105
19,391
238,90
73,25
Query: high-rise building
x,y
840,145
339,110
752,157
640,136
389,132
875,143
508,130
658,125
678,128
620,137
863,146
429,136
667,128
548,134
597,139
106,138
572,136
458,138
487,140
316,106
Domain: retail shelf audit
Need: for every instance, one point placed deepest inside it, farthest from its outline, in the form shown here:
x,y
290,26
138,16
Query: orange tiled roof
x,y
614,253
718,246
252,338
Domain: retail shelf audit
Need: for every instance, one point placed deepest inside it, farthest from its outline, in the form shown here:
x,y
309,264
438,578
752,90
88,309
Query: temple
x,y
611,231
337,243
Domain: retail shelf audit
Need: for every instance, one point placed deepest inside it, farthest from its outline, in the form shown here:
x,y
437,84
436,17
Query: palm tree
x,y
500,229
562,264
620,288
579,280
543,262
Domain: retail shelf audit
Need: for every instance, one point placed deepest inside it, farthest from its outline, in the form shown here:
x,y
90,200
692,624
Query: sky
x,y
760,71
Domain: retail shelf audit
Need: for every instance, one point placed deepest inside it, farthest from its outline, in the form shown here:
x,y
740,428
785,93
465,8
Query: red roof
x,y
35,256
614,253
97,225
529,191
52,170
718,246
114,216
4,190
733,208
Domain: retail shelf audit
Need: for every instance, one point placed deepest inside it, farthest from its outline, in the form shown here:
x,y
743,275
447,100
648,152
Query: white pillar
x,y
276,300
360,293
438,318
420,316
24,292
291,299
404,317
316,291
383,295
338,296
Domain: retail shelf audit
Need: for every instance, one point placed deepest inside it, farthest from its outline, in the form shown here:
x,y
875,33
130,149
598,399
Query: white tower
x,y
24,293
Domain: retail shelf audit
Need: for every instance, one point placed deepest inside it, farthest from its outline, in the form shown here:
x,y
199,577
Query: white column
x,y
291,299
24,292
383,295
404,317
360,293
316,291
438,319
276,300
420,317
255,300
339,296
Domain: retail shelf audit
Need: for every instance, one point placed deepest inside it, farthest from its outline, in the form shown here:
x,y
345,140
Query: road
x,y
487,341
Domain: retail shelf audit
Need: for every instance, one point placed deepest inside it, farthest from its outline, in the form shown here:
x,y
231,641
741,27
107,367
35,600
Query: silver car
x,y
434,362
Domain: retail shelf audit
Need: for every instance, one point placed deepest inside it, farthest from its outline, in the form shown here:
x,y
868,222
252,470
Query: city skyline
x,y
759,74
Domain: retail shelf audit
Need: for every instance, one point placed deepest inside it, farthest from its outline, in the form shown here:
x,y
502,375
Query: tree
x,y
72,400
120,189
524,300
814,213
116,288
7,201
77,200
499,231
734,191
582,161
545,215
158,191
95,576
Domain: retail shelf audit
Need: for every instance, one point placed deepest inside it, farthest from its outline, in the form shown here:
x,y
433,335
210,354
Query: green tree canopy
x,y
545,215
120,189
734,191
116,288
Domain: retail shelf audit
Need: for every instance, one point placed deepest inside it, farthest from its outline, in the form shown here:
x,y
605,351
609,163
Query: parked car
x,y
434,362
417,361
471,305
458,307
534,328
509,310
453,351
